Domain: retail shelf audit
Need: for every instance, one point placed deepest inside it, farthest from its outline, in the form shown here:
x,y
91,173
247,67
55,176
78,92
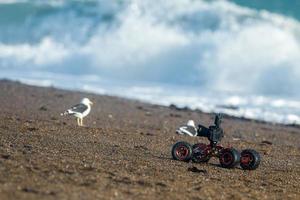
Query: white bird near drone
x,y
80,110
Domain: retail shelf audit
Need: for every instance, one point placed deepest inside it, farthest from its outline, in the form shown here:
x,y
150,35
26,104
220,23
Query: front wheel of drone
x,y
200,153
229,158
250,159
182,151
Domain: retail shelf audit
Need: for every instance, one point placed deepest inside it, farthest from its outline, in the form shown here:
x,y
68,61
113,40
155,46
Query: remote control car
x,y
248,159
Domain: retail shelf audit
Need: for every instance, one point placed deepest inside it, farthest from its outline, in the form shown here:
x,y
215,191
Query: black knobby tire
x,y
200,153
182,151
229,158
250,159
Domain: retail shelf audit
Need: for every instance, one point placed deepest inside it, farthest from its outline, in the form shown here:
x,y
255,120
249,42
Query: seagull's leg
x,y
81,121
78,122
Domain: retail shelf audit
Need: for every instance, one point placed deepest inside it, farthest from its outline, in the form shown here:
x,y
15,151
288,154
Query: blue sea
x,y
237,57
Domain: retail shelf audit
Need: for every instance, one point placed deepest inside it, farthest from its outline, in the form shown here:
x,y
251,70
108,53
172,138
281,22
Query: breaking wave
x,y
215,46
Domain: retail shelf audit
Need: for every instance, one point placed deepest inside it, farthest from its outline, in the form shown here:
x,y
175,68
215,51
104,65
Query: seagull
x,y
80,110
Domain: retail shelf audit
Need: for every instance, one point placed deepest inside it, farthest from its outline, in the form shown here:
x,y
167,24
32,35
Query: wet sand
x,y
124,151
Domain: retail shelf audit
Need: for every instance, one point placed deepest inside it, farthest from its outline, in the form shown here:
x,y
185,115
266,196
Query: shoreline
x,y
171,106
124,151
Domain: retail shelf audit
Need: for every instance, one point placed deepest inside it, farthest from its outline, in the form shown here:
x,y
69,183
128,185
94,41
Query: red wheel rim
x,y
182,152
246,159
227,158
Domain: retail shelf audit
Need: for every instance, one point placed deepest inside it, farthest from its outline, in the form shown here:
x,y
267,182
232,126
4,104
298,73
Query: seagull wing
x,y
79,108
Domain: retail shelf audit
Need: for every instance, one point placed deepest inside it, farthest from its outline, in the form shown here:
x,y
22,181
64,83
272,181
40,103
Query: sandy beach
x,y
124,151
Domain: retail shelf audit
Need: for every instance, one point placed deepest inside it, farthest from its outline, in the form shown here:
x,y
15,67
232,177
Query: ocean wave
x,y
214,46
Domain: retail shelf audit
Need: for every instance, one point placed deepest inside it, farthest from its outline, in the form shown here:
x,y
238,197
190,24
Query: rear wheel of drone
x,y
229,158
200,153
182,151
250,159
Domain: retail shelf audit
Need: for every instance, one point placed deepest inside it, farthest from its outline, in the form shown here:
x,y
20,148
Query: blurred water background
x,y
237,57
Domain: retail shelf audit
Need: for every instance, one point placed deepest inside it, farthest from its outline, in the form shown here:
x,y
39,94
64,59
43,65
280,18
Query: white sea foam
x,y
45,53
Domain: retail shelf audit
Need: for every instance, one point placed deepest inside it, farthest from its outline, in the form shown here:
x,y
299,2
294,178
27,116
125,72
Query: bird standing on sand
x,y
80,110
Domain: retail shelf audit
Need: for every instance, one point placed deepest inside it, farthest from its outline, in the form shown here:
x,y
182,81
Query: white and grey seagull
x,y
80,110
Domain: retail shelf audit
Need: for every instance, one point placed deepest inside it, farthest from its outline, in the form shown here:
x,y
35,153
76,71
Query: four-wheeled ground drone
x,y
248,159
